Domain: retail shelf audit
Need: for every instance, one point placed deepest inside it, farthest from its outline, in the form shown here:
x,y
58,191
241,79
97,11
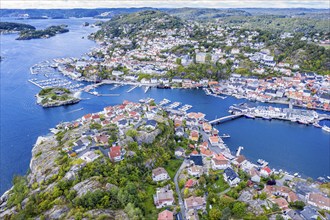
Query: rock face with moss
x,y
52,97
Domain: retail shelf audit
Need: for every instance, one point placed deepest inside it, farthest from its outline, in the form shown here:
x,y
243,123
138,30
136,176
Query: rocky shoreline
x,y
69,102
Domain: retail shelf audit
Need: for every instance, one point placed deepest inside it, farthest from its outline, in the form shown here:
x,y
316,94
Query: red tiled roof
x,y
165,215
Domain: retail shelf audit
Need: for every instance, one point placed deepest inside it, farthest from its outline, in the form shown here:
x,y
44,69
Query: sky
x,y
24,4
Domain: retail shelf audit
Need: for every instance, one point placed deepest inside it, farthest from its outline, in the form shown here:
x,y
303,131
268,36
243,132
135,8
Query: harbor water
x,y
285,145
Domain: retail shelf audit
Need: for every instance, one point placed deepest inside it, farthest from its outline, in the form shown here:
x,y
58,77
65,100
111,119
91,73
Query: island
x,y
143,160
52,97
12,27
46,33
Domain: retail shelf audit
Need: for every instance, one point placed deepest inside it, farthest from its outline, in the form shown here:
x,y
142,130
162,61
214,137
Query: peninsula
x,y
143,160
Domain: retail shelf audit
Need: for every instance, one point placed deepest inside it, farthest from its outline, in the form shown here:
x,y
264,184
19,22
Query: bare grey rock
x,y
43,164
147,137
91,185
57,212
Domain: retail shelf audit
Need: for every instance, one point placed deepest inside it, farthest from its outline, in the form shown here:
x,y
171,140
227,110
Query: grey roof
x,y
294,215
230,173
309,213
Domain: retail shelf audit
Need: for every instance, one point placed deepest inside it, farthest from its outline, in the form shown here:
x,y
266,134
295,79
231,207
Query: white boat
x,y
95,93
225,136
317,125
326,128
249,116
266,117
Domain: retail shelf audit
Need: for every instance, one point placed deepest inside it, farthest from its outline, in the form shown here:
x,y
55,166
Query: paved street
x,y
183,212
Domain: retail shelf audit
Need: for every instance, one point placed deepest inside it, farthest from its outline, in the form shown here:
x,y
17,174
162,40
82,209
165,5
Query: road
x,y
205,137
177,188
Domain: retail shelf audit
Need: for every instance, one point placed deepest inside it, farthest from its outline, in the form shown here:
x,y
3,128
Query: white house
x,y
163,197
219,162
159,174
195,171
89,156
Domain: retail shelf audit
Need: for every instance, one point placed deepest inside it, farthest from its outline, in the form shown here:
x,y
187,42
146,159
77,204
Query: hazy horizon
x,y
224,4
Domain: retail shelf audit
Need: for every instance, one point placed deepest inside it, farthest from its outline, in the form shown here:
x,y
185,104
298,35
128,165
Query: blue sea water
x,y
288,146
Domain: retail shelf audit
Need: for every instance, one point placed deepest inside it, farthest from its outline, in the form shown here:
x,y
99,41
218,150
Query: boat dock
x,y
174,105
146,89
108,94
164,102
131,89
185,108
116,86
34,83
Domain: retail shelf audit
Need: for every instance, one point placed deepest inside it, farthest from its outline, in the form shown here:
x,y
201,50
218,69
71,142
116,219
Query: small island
x,y
53,97
46,33
12,27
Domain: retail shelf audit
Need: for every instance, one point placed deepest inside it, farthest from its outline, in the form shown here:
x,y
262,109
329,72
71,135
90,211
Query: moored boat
x,y
266,118
325,128
249,116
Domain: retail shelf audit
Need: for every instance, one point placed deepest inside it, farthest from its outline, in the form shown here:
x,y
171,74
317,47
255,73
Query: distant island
x,y
12,27
46,33
52,97
28,32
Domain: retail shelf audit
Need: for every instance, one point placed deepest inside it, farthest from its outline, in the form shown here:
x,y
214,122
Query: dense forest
x,y
130,24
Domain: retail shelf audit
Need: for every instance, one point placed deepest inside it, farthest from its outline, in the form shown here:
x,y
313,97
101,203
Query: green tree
x,y
132,133
239,209
297,205
133,212
215,214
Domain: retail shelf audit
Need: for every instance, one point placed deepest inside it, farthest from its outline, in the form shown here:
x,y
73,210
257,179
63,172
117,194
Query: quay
x,y
225,118
300,116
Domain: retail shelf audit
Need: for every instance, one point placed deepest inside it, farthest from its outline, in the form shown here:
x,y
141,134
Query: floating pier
x,y
146,89
131,89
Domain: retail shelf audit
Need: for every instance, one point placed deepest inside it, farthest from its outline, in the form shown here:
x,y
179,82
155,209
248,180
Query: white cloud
x,y
23,4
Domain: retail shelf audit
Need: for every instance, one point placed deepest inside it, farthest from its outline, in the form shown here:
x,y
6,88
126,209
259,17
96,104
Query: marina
x,y
174,105
56,82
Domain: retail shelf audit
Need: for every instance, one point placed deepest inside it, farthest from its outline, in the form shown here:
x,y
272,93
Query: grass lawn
x,y
172,166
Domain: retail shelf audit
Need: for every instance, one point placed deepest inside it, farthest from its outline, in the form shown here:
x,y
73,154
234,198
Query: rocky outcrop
x,y
108,214
42,164
90,185
57,212
147,137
